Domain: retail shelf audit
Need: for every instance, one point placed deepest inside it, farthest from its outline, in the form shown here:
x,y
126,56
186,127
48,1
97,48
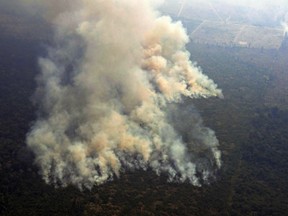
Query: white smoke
x,y
285,28
108,94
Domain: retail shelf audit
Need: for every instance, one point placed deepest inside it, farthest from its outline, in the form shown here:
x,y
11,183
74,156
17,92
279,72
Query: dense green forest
x,y
250,123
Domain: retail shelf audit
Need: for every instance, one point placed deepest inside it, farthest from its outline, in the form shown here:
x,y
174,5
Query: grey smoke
x,y
110,97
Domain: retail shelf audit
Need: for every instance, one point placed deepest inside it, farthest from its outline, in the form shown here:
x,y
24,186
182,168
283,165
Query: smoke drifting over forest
x,y
253,12
110,96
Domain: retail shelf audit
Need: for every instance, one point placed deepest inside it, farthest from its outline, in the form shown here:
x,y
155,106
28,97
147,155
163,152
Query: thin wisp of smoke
x,y
110,97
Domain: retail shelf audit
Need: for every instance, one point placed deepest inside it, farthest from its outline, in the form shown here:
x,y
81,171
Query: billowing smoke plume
x,y
111,95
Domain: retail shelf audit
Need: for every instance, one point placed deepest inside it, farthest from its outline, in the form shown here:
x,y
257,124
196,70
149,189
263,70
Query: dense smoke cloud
x,y
110,97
